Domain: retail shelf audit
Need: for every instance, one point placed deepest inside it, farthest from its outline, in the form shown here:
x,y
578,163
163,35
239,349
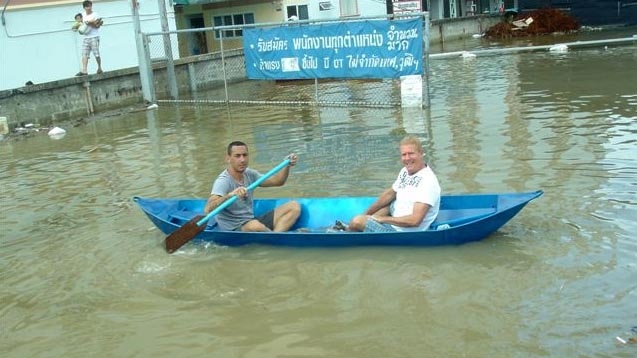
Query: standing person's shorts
x,y
91,44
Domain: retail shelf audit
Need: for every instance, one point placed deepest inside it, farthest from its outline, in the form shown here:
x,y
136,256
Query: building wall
x,y
266,12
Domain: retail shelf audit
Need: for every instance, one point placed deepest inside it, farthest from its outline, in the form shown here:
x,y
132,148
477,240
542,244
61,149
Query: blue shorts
x,y
374,226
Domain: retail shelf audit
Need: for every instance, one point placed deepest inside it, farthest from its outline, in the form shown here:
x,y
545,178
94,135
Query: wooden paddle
x,y
197,224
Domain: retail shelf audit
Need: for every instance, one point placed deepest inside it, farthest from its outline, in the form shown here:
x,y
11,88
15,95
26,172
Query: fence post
x,y
145,69
223,67
192,78
168,50
426,58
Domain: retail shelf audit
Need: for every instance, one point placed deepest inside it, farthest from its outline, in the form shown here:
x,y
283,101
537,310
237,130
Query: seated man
x,y
412,202
233,182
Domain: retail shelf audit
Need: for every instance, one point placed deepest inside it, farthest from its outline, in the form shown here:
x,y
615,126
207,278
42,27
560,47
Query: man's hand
x,y
240,193
293,158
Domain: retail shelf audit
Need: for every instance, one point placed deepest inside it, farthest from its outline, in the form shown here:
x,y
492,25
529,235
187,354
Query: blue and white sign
x,y
356,49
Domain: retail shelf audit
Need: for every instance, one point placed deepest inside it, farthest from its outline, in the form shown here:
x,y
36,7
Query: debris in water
x,y
537,22
57,133
559,48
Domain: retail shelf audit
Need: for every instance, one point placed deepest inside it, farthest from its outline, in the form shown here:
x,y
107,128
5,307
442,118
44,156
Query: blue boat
x,y
461,219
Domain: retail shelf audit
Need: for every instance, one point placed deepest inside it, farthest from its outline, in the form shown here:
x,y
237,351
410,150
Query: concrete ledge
x,y
454,29
56,101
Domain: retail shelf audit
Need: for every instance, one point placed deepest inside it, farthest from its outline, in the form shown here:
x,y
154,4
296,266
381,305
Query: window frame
x,y
297,11
349,8
247,18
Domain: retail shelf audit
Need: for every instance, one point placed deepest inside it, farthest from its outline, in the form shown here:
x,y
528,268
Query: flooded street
x,y
83,272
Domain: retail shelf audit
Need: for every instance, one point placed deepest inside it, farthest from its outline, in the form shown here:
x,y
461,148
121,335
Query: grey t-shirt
x,y
241,211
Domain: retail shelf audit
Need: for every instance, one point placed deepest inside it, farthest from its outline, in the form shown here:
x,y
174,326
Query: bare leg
x,y
99,64
359,221
286,215
84,64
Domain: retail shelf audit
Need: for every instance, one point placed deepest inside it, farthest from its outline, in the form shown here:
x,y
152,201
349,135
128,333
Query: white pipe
x,y
534,48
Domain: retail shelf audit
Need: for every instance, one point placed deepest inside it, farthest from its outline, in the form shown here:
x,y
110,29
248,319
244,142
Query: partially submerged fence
x,y
219,77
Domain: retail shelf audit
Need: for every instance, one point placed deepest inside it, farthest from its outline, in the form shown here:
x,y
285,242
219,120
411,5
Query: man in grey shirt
x,y
234,182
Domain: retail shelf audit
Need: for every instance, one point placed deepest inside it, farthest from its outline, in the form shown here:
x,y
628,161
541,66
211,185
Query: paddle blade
x,y
181,236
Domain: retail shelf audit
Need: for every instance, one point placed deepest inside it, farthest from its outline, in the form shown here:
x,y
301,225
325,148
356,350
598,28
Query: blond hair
x,y
412,140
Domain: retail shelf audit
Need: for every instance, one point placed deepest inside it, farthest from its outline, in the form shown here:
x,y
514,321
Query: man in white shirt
x,y
91,41
412,202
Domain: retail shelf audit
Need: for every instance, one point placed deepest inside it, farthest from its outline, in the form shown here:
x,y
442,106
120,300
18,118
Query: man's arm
x,y
94,20
97,23
278,179
281,177
215,200
383,201
412,220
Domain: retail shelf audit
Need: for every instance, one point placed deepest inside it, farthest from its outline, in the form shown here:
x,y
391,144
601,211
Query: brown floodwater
x,y
83,273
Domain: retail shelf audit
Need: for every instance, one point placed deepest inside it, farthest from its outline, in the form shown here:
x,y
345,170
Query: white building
x,y
37,44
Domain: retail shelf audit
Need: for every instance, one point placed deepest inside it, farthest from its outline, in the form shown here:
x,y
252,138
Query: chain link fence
x,y
218,76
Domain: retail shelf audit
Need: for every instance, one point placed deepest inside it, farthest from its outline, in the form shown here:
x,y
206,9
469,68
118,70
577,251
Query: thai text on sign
x,y
356,49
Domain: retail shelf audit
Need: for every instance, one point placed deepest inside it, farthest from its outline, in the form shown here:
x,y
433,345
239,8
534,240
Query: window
x,y
349,8
299,11
229,20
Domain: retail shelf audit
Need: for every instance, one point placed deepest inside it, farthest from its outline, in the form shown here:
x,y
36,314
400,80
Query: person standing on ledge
x,y
91,41
233,181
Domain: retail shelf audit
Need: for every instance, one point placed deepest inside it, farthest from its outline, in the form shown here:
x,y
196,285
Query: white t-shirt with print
x,y
422,187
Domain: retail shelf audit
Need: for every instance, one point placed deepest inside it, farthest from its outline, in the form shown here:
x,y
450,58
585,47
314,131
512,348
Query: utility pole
x,y
170,64
145,67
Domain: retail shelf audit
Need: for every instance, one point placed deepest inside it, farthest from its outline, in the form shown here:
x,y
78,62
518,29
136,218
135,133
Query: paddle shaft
x,y
229,202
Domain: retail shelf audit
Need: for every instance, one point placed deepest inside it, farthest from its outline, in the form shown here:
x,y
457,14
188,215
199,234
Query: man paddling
x,y
239,216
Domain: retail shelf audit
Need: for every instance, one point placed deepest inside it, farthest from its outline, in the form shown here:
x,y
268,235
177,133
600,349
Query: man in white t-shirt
x,y
412,202
91,41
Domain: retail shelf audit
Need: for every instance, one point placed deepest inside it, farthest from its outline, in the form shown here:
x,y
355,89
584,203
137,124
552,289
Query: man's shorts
x,y
266,219
374,226
91,44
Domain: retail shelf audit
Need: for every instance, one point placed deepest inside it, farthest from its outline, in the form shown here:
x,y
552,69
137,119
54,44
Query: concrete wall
x,y
53,102
57,101
454,29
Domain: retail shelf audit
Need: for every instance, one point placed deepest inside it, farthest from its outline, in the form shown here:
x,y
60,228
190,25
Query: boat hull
x,y
462,218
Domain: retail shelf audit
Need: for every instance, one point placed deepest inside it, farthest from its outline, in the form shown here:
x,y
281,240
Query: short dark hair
x,y
236,143
86,3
